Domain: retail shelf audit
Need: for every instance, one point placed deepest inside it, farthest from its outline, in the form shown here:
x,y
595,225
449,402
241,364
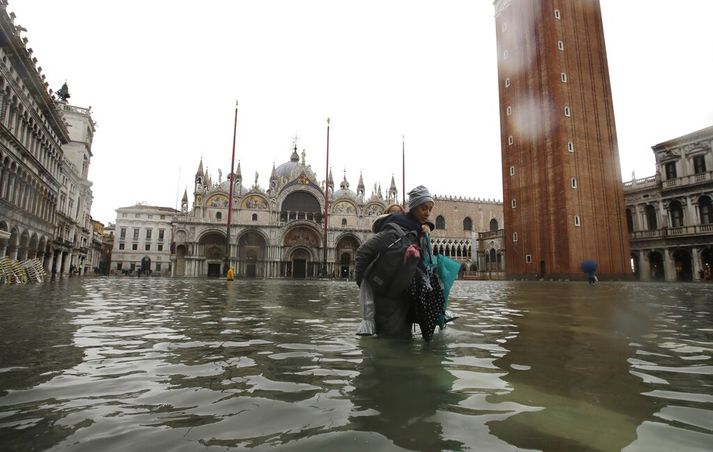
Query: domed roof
x,y
344,191
225,186
286,169
293,169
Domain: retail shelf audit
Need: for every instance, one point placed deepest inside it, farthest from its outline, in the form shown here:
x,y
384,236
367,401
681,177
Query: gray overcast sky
x,y
162,78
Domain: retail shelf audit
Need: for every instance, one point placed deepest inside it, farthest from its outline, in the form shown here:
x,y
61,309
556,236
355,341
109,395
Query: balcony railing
x,y
693,179
679,231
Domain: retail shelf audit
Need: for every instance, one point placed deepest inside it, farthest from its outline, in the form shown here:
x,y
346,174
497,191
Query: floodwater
x,y
136,364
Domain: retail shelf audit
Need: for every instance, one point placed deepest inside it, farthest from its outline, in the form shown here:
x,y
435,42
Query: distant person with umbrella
x,y
590,268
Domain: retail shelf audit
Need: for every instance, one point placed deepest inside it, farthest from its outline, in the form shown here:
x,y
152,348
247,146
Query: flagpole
x,y
326,204
230,195
403,171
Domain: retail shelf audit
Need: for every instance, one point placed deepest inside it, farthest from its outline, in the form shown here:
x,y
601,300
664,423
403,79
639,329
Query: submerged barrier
x,y
16,272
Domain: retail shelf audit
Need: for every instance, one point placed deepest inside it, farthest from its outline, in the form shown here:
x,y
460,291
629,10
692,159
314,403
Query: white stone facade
x,y
670,214
142,236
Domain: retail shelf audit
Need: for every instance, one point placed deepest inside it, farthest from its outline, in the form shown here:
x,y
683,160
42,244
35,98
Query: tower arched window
x,y
344,222
467,224
219,215
254,217
493,225
440,222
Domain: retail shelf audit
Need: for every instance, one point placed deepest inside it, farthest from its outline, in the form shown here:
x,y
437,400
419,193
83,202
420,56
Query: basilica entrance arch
x,y
211,247
251,255
300,259
302,244
346,252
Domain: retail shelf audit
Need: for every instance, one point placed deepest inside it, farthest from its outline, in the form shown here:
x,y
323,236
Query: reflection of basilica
x,y
278,231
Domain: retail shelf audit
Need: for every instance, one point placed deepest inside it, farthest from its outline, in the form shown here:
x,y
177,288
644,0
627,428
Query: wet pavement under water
x,y
165,364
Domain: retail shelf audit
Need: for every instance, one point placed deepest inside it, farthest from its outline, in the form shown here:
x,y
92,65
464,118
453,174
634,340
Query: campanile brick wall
x,y
563,198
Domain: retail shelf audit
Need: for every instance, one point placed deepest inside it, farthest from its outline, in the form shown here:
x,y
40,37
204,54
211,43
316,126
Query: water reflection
x,y
400,387
570,360
135,364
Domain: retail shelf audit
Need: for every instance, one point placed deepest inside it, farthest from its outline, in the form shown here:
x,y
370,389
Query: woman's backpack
x,y
389,273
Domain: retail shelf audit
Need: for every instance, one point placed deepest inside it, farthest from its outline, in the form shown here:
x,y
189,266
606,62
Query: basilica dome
x,y
344,191
286,169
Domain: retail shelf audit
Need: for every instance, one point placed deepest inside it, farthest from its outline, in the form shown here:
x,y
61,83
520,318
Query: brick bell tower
x,y
563,197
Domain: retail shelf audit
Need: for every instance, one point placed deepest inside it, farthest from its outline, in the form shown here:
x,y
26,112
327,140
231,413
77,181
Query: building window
x,y
149,216
493,225
557,14
467,224
160,246
507,82
134,246
124,215
137,215
577,221
513,203
122,233
705,208
510,140
528,258
121,246
344,222
163,217
514,236
670,168
567,112
699,164
676,211
148,234
440,222
136,233
563,77
512,170
118,266
508,111
147,247
158,266
219,216
560,45
650,212
160,235
573,182
570,146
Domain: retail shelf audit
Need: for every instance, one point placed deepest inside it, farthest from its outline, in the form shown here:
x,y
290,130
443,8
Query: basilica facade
x,y
277,231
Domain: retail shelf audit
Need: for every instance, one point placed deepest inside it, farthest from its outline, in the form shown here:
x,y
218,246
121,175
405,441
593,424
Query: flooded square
x,y
167,364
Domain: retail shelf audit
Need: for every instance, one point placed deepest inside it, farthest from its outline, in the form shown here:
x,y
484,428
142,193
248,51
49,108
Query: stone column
x,y
690,212
644,266
57,266
669,267
48,259
663,216
695,257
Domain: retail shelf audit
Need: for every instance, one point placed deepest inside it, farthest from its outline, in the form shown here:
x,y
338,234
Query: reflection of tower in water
x,y
571,358
400,387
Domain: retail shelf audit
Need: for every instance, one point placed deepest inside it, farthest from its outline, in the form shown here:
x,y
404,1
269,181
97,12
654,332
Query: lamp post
x,y
226,264
326,204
